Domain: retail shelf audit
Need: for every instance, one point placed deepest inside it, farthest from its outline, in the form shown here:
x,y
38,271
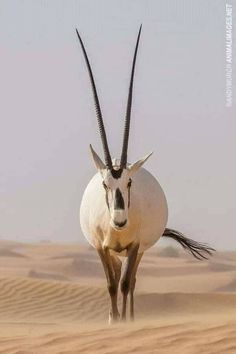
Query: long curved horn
x,y
107,155
123,159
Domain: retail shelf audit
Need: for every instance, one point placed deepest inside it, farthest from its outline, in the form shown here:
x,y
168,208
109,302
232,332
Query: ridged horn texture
x,y
123,160
107,155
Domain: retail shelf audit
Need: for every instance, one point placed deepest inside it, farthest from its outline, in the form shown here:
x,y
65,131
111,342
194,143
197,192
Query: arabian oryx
x,y
124,210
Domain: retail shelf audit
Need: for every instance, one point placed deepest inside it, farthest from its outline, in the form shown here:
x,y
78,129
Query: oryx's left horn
x,y
123,159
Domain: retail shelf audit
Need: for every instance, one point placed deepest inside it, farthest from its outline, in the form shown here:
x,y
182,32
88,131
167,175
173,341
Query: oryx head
x,y
116,177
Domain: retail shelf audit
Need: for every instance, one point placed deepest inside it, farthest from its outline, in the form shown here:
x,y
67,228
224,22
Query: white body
x,y
147,215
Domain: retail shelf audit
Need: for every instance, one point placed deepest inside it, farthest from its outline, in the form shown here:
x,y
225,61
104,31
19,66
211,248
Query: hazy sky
x,y
48,119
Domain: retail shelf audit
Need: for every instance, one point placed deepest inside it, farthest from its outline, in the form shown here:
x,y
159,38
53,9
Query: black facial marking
x,y
119,201
128,197
107,200
106,190
104,185
116,173
129,185
120,224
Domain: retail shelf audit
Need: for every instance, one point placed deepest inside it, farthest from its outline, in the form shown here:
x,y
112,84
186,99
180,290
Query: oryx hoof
x,y
123,319
113,318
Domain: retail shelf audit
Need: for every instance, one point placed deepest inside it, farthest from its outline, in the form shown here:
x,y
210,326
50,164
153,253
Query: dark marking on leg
x,y
126,279
112,285
132,285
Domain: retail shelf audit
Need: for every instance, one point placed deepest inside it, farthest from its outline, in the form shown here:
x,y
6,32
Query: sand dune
x,y
184,337
52,276
34,299
54,300
231,287
4,252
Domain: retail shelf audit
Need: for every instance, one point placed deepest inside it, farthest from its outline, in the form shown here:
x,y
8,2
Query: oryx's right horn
x,y
107,155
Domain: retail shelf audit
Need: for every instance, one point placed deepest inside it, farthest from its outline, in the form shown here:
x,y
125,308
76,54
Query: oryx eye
x,y
129,183
104,185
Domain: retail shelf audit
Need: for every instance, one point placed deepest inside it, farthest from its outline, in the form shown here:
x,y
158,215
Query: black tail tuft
x,y
199,250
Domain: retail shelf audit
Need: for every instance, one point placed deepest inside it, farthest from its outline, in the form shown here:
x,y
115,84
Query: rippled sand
x,y
53,299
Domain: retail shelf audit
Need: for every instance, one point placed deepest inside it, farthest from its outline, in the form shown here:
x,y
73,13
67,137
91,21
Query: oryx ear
x,y
98,162
135,166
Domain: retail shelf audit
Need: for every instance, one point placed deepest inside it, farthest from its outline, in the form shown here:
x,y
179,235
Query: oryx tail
x,y
198,250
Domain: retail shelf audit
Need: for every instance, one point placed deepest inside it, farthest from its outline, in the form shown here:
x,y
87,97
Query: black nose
x,y
120,224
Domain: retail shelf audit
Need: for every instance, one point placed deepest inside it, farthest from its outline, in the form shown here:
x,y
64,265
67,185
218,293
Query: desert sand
x,y
53,299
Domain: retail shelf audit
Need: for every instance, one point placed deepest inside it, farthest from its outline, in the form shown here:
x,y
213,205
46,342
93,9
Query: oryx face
x,y
117,185
117,196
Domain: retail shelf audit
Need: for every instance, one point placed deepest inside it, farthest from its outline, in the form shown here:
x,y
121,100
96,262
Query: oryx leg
x,y
132,253
116,262
112,284
132,285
